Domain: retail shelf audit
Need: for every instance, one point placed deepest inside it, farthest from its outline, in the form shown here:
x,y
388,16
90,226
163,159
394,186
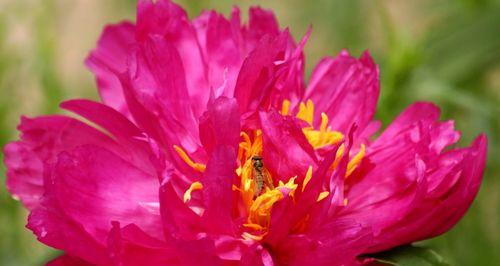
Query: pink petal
x,y
287,152
163,127
54,229
131,246
128,135
337,242
222,114
219,42
109,58
24,173
432,216
179,221
260,71
346,89
94,187
170,21
65,260
42,139
217,192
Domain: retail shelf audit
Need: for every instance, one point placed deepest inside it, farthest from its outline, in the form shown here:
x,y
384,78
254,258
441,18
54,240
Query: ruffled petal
x,y
434,213
409,182
42,138
346,89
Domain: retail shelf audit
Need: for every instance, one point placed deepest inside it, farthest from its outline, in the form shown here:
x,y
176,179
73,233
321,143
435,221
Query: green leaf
x,y
409,256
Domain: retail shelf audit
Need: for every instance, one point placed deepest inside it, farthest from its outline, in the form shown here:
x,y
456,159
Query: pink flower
x,y
210,149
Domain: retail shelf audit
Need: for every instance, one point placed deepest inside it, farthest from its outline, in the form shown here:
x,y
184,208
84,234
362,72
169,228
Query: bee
x,y
260,175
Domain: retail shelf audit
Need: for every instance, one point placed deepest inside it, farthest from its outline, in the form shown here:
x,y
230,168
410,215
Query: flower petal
x,y
220,125
132,246
178,219
337,242
346,90
287,153
54,229
94,187
170,21
42,138
65,260
109,58
127,134
260,71
217,189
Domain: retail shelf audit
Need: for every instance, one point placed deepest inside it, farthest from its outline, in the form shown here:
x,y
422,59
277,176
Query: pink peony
x,y
210,149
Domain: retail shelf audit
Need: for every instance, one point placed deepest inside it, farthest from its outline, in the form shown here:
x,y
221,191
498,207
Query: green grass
x,y
443,51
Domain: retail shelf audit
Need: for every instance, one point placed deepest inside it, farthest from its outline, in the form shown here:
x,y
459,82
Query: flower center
x,y
257,189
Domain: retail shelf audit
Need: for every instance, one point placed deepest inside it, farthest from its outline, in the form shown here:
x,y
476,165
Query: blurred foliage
x,y
444,51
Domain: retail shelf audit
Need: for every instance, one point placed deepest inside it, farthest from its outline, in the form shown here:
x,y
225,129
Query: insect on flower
x,y
173,160
261,176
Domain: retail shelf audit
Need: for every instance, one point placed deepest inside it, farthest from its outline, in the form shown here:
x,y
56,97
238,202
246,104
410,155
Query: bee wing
x,y
256,187
267,179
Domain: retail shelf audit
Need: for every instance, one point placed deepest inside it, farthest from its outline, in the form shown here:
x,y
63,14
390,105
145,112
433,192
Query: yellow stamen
x,y
194,186
248,236
317,138
338,156
306,111
259,214
324,122
255,227
307,178
197,166
320,139
322,196
356,161
285,107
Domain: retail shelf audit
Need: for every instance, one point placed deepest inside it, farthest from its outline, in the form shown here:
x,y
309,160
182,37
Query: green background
x,y
445,51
